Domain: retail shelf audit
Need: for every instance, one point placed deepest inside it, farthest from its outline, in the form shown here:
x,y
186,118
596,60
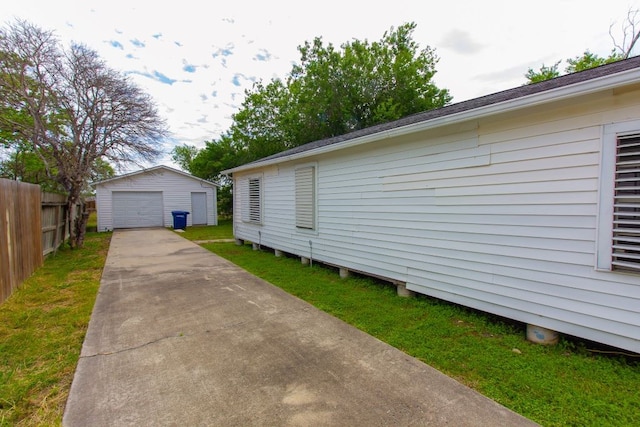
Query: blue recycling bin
x,y
179,219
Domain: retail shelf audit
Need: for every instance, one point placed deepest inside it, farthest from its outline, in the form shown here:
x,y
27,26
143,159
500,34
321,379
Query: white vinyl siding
x,y
503,215
305,197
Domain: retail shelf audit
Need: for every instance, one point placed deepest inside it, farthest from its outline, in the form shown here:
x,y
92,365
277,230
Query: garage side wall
x,y
176,192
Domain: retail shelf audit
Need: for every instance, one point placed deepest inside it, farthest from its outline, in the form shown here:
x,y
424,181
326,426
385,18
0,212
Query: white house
x,y
147,197
524,203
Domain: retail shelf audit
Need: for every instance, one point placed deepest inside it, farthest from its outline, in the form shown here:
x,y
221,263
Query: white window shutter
x,y
255,201
251,200
305,197
626,204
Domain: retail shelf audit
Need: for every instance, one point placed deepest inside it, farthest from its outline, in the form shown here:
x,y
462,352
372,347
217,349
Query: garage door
x,y
133,209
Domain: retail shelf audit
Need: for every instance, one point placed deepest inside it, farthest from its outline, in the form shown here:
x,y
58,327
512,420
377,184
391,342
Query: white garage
x,y
147,197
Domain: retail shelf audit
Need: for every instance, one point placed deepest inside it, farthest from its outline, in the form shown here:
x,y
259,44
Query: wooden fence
x,y
54,221
32,224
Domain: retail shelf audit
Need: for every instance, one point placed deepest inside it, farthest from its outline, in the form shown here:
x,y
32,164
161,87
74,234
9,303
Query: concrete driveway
x,y
181,337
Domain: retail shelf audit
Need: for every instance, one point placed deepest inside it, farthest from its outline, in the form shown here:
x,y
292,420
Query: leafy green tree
x,y
72,111
336,91
590,60
332,91
263,125
207,163
544,73
183,155
22,164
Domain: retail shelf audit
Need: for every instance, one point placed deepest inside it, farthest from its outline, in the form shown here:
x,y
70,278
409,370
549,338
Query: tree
x,y
630,34
622,50
332,91
207,164
363,84
544,73
22,164
183,155
80,112
590,60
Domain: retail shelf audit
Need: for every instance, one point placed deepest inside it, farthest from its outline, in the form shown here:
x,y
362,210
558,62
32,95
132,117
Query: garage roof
x,y
154,169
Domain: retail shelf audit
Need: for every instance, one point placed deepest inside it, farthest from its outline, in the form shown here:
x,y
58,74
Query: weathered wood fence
x,y
54,221
32,224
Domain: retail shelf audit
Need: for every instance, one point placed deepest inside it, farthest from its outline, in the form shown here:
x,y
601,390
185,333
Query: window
x,y
626,204
619,212
251,196
306,197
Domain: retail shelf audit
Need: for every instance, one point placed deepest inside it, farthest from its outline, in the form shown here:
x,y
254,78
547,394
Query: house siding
x,y
176,192
498,214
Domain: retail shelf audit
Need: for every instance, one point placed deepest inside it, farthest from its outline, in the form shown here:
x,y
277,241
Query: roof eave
x,y
151,169
555,94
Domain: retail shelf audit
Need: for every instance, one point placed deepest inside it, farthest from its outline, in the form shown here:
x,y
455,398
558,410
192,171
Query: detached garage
x,y
146,198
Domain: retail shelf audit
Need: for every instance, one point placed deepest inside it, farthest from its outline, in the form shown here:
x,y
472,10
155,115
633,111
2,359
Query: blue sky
x,y
197,58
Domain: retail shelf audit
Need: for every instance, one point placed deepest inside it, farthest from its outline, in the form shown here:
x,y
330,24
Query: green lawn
x,y
563,385
42,327
224,230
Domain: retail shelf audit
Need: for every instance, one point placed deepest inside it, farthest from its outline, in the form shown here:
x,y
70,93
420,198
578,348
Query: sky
x,y
197,58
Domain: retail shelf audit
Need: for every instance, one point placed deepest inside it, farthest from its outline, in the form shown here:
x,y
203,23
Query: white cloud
x,y
460,42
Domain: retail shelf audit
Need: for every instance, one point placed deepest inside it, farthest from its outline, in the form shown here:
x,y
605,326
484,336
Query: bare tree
x,y
80,111
630,34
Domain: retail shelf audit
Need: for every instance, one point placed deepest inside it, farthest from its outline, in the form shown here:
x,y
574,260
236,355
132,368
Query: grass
x,y
563,385
224,230
92,222
42,327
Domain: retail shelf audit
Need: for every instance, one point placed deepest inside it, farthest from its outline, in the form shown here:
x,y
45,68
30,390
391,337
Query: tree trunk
x,y
81,227
77,222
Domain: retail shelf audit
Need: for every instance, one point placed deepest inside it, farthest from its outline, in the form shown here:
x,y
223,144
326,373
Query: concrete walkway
x,y
181,337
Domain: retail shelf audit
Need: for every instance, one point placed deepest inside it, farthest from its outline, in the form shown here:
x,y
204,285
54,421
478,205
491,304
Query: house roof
x,y
154,169
595,79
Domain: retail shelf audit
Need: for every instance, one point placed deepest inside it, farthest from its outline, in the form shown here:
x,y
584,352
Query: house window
x,y
619,210
626,204
251,194
306,197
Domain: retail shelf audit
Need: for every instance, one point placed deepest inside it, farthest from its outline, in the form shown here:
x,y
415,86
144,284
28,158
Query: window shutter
x,y
305,197
626,205
254,200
